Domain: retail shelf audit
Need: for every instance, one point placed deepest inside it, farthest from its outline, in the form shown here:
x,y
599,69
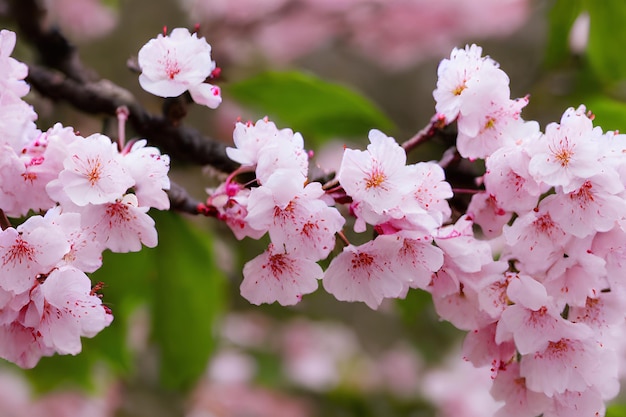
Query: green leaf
x,y
607,37
63,371
189,294
561,17
616,410
609,113
316,108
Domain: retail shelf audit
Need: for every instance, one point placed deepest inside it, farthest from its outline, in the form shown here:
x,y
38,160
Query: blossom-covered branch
x,y
81,87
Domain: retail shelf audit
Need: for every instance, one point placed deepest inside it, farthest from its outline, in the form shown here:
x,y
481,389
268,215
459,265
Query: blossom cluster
x,y
406,204
532,270
545,314
71,197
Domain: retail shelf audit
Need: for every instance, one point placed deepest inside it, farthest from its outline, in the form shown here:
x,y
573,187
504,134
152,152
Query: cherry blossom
x,y
34,248
467,74
279,276
378,177
93,172
179,62
366,272
71,310
568,153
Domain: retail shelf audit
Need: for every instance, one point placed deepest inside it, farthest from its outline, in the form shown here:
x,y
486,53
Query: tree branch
x,y
104,97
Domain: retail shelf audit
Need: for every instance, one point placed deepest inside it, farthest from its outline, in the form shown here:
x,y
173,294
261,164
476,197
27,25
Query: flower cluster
x,y
543,315
179,62
89,196
405,203
532,270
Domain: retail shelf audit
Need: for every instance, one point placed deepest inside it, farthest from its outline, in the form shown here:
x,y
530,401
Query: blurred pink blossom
x,y
460,390
395,34
234,400
82,20
16,400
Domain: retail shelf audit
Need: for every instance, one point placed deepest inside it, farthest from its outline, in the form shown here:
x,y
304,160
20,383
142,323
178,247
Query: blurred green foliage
x,y
600,71
316,108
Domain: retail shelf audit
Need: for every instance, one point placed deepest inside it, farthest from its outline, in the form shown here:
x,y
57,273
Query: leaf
x,y
607,37
313,107
616,410
609,113
561,17
189,294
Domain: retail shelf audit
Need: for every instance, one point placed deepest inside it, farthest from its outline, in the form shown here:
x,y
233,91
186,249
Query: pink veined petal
x,y
365,273
278,276
206,94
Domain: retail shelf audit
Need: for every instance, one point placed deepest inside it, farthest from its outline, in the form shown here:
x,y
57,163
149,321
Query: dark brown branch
x,y
104,97
54,50
435,125
180,200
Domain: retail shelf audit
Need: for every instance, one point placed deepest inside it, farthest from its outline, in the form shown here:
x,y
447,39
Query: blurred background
x,y
184,342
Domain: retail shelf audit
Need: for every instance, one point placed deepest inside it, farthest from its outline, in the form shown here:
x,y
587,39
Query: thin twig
x,y
437,122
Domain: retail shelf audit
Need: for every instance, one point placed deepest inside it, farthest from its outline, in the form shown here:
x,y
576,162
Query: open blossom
x,y
464,76
279,276
171,65
12,72
568,153
121,226
366,272
295,216
70,310
377,177
35,247
93,172
251,139
149,169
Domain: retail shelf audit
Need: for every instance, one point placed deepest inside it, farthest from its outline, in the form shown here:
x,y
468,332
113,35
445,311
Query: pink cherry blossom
x,y
461,247
12,72
485,211
519,401
593,207
535,240
484,131
534,320
508,179
17,121
82,20
425,203
570,365
93,172
176,63
231,203
250,139
295,216
149,170
34,248
464,76
568,153
417,260
377,177
480,348
279,276
366,272
578,275
576,404
71,310
285,152
121,226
